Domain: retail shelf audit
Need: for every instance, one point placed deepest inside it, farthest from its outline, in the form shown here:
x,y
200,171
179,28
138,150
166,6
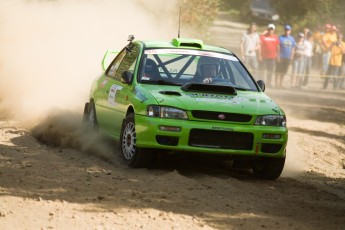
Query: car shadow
x,y
212,191
198,165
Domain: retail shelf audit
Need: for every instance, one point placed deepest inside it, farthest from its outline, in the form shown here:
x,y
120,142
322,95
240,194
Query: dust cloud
x,y
64,129
51,50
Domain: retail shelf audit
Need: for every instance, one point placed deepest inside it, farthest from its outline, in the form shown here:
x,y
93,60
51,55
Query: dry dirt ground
x,y
74,179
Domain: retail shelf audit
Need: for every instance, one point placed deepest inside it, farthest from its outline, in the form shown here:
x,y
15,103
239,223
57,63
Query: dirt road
x,y
80,184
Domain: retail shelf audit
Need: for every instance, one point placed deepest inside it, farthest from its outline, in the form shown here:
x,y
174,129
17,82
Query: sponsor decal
x,y
112,94
221,128
205,97
103,83
139,94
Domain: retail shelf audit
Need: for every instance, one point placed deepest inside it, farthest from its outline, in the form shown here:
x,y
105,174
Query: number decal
x,y
112,94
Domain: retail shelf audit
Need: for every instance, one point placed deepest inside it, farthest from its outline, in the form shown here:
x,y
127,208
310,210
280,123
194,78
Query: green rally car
x,y
152,99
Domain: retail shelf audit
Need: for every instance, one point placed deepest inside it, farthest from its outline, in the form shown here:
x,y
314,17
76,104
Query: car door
x,y
102,90
116,91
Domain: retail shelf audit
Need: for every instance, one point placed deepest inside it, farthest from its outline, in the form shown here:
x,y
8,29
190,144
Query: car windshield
x,y
180,66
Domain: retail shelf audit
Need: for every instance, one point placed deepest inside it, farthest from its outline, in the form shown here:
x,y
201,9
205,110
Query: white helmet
x,y
205,60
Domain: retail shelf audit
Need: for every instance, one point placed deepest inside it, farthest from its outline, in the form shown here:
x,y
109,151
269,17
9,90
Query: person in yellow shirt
x,y
337,50
326,44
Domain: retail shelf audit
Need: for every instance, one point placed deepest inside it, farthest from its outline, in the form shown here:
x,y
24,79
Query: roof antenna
x,y
179,23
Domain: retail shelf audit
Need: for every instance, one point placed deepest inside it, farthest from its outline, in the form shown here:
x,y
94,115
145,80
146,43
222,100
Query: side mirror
x,y
261,83
127,76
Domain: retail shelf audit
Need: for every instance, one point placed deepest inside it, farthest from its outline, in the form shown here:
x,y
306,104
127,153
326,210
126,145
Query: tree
x,y
306,13
197,16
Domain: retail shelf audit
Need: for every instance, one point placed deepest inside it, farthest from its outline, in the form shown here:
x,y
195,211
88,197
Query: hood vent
x,y
171,93
220,89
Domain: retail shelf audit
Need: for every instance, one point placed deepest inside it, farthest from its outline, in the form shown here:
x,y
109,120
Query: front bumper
x,y
210,137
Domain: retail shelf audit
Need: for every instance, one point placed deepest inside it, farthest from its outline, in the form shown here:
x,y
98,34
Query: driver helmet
x,y
204,61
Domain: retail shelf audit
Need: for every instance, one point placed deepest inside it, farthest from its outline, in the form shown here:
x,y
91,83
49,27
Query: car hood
x,y
244,102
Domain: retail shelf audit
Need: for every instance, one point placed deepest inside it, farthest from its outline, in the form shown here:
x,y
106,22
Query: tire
x,y
132,155
268,168
90,118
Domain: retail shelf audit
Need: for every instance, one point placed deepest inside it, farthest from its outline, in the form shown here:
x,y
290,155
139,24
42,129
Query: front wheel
x,y
268,167
132,155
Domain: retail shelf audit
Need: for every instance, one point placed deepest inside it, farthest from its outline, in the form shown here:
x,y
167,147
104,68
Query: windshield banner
x,y
191,52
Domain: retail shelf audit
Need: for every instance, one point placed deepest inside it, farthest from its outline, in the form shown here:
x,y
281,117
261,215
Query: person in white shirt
x,y
308,54
298,61
250,44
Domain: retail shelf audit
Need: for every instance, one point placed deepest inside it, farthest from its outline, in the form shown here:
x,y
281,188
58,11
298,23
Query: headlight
x,y
271,120
166,112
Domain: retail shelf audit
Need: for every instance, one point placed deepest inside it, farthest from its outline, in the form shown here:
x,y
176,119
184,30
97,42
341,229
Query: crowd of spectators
x,y
269,56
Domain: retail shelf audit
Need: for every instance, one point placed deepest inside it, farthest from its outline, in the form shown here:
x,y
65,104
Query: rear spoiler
x,y
108,57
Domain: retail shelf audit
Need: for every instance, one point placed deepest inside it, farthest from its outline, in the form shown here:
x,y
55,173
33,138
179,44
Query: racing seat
x,y
151,71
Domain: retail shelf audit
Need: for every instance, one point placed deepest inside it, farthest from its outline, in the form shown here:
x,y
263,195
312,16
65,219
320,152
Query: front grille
x,y
219,116
221,139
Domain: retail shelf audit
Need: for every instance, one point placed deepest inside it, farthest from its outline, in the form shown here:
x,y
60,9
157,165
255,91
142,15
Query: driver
x,y
208,69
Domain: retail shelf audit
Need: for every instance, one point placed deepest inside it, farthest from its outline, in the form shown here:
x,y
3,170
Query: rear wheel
x,y
133,156
90,118
268,167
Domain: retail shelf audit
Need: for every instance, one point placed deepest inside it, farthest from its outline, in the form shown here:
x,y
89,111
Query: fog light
x,y
271,136
170,128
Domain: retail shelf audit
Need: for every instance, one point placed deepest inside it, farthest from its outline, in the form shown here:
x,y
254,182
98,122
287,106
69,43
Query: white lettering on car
x,y
204,97
112,94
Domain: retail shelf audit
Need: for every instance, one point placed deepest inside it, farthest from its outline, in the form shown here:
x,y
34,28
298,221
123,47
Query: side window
x,y
128,62
115,64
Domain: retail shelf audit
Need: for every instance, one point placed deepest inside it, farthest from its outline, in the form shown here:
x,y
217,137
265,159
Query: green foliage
x,y
198,15
227,5
299,13
306,13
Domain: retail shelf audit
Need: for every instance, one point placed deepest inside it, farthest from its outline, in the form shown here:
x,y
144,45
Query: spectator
x,y
308,54
342,78
326,44
250,44
298,61
287,46
317,50
337,51
269,53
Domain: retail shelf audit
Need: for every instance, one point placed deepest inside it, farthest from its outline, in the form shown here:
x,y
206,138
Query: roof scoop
x,y
186,42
